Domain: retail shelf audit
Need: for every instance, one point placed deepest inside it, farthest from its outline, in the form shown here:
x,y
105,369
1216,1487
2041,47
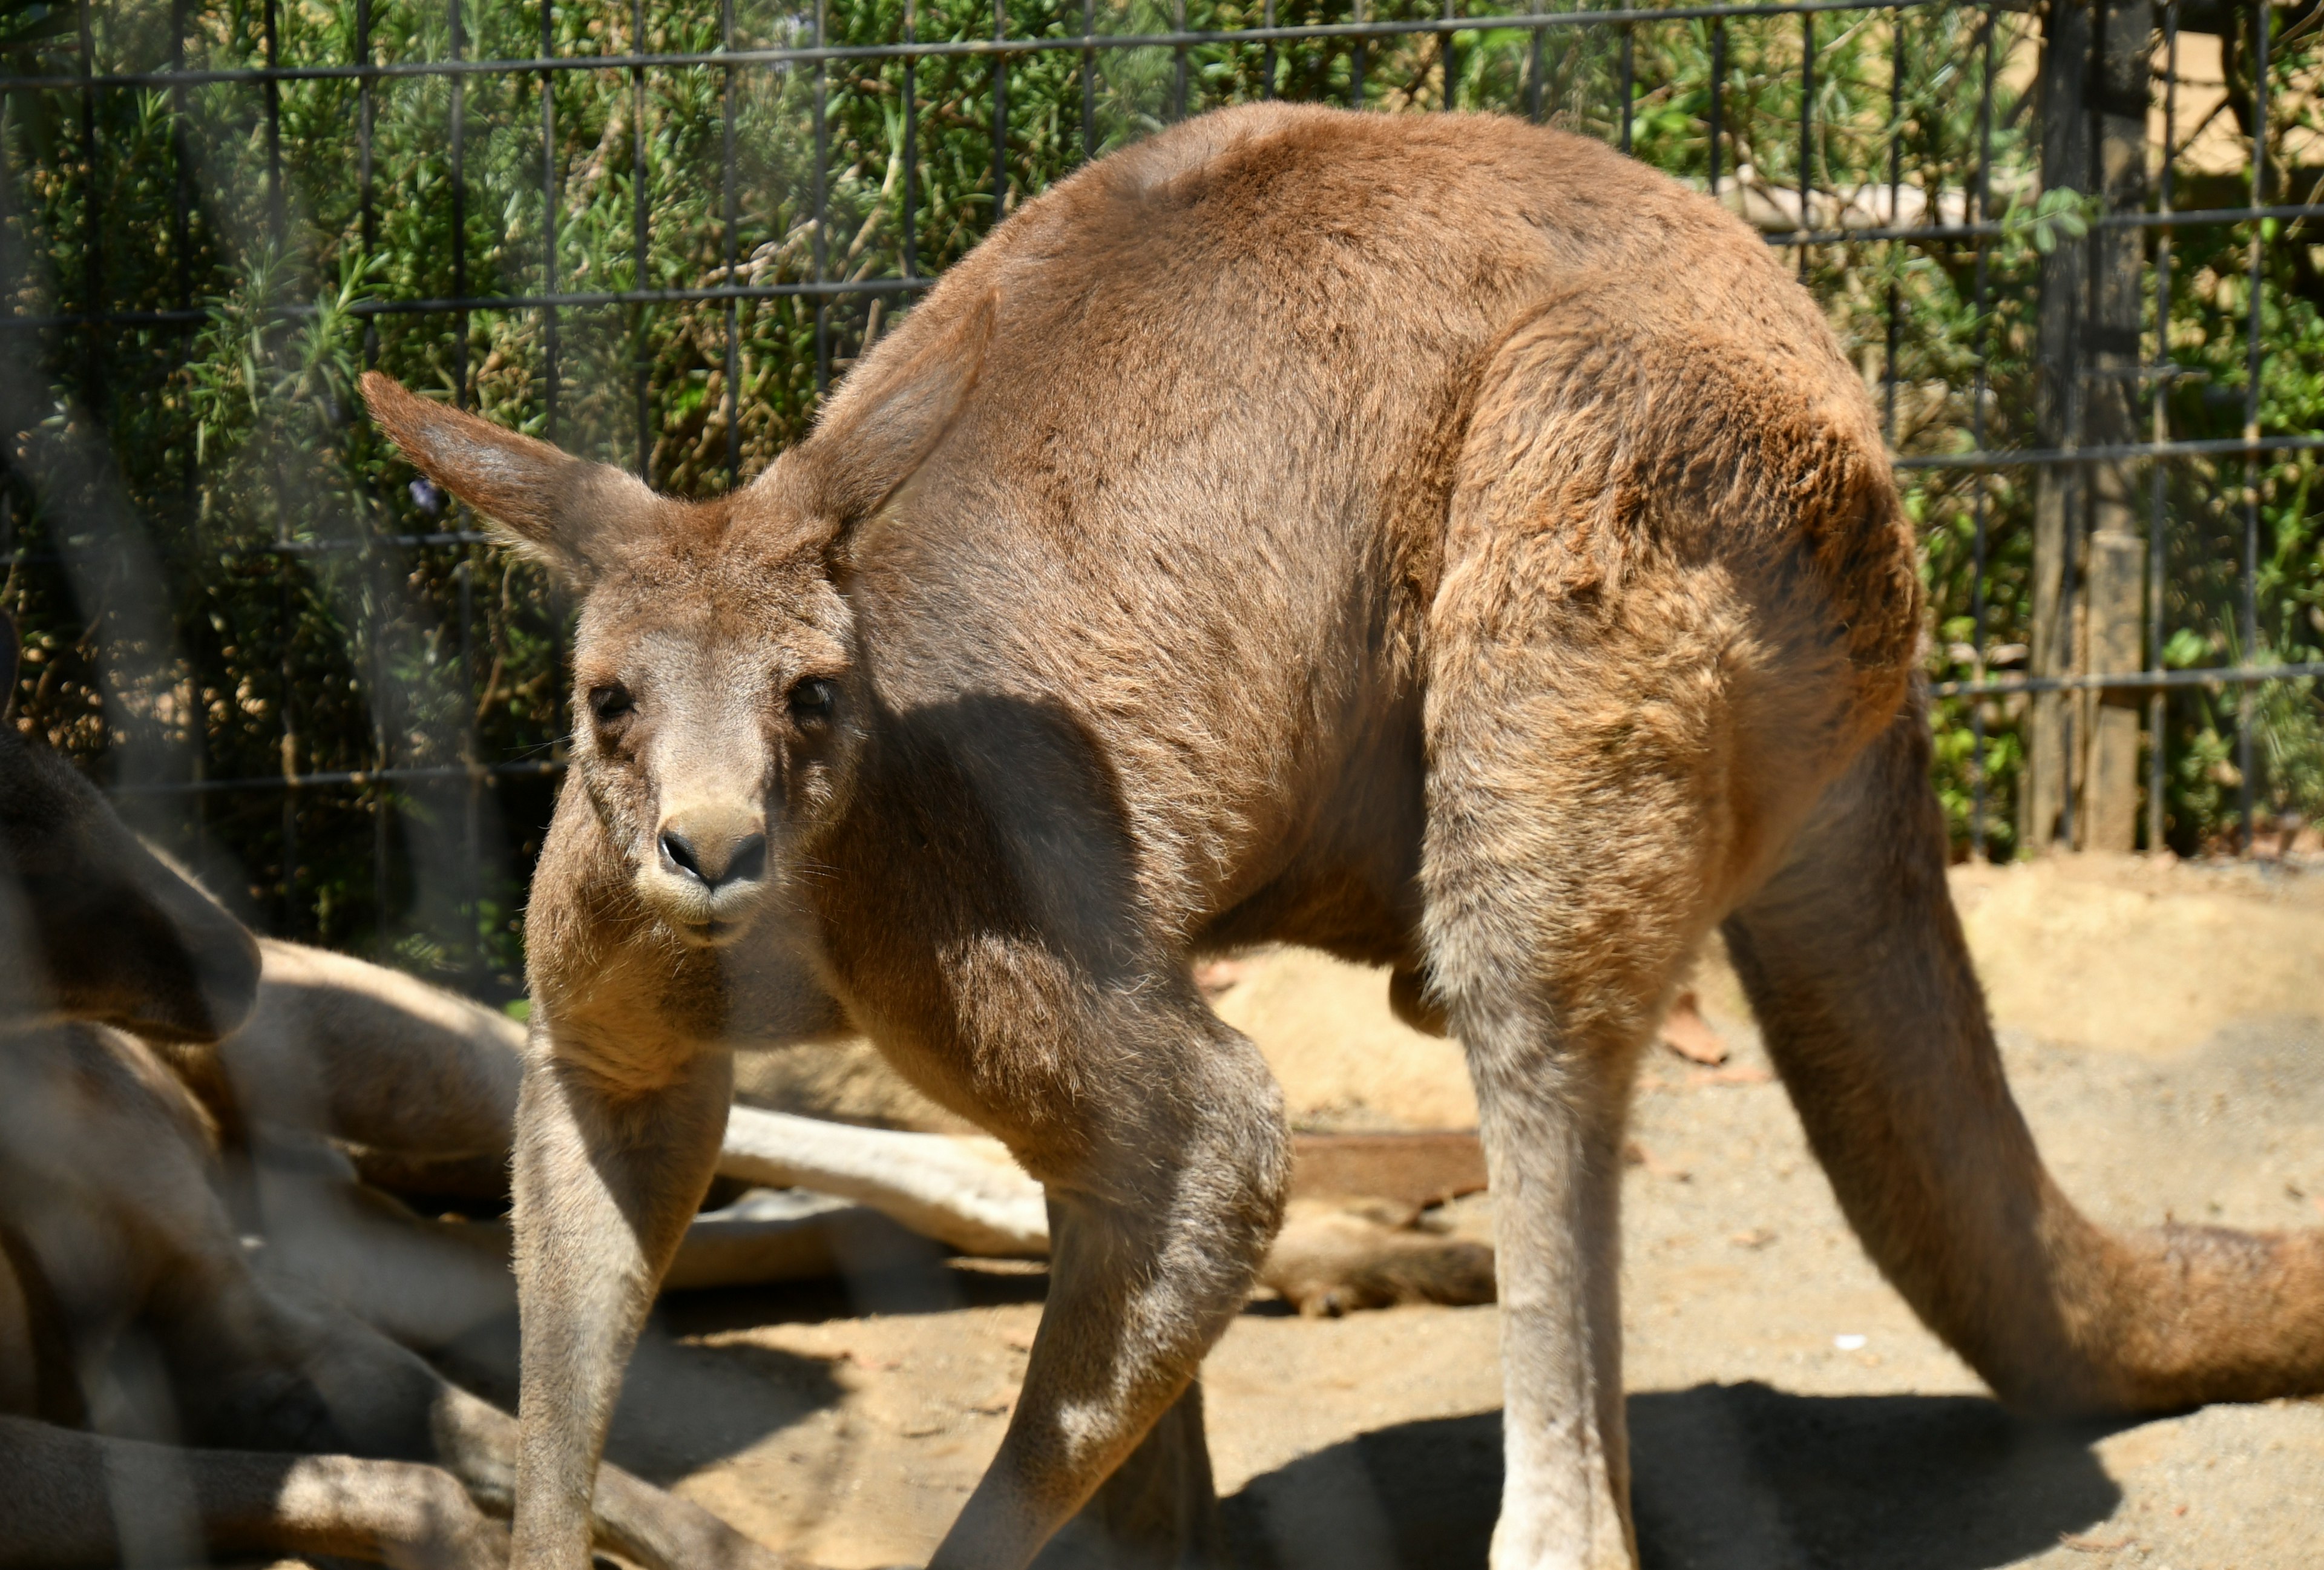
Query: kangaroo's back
x,y
1198,500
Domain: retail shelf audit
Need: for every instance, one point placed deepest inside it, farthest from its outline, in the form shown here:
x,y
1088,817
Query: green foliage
x,y
327,619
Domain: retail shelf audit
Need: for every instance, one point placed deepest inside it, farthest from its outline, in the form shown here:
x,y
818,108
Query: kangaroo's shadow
x,y
682,1406
1727,1477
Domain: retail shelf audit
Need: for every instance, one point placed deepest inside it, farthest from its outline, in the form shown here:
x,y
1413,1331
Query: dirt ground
x,y
2164,1032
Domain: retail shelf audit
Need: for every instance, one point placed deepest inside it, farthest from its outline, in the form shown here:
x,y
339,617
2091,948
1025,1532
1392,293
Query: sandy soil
x,y
2164,1030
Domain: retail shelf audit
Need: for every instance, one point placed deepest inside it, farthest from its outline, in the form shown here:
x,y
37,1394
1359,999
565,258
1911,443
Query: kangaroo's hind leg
x,y
1574,841
1565,887
1669,609
1855,965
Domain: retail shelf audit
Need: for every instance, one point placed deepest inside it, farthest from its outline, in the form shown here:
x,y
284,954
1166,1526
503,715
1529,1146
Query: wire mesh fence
x,y
2075,256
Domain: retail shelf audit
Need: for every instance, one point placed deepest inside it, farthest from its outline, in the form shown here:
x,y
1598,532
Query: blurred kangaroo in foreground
x,y
158,1399
363,1081
1437,540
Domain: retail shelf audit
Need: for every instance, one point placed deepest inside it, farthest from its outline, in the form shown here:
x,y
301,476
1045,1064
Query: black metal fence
x,y
2076,256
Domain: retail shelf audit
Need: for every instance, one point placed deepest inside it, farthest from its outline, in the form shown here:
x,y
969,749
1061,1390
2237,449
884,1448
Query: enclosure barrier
x,y
2076,256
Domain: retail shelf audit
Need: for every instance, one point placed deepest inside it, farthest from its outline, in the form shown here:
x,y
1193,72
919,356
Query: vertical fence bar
x,y
182,242
471,804
2246,758
560,683
1983,196
641,319
1266,53
286,610
367,225
2159,390
471,824
1895,193
1001,113
1452,48
1533,72
822,249
1718,94
459,212
549,215
92,270
181,198
367,211
727,202
287,596
1178,63
1356,60
559,680
1807,130
1629,81
274,96
1089,76
912,130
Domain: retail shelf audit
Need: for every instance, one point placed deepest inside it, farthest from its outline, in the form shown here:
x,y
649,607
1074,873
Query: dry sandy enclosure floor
x,y
2164,1032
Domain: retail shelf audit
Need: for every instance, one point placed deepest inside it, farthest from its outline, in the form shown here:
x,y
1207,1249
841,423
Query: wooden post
x,y
2083,783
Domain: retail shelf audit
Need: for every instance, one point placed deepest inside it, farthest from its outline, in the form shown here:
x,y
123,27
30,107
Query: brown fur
x,y
1333,1257
1436,541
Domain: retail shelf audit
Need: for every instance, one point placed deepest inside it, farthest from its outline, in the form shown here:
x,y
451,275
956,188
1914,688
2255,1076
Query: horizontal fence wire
x,y
1848,231
976,48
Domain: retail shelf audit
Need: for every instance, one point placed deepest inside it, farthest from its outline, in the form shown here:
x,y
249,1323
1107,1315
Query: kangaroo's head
x,y
719,702
93,925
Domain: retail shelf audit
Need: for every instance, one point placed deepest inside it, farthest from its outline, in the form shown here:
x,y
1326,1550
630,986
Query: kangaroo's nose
x,y
713,854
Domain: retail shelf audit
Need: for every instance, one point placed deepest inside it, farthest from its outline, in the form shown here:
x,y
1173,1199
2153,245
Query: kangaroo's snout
x,y
714,849
708,870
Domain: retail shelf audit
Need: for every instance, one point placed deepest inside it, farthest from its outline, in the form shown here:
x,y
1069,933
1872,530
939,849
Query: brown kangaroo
x,y
158,1398
1437,540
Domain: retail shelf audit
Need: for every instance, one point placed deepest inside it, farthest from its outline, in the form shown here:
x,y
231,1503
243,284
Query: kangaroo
x,y
388,1087
95,926
1434,539
157,1398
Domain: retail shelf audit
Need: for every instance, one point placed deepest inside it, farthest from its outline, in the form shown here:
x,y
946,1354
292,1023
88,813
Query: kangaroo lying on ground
x,y
1437,540
350,1081
129,1312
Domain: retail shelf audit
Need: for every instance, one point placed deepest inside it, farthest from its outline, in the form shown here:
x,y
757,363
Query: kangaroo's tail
x,y
1854,962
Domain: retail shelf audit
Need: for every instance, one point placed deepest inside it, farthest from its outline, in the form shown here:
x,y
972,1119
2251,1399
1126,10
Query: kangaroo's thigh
x,y
1574,839
1600,790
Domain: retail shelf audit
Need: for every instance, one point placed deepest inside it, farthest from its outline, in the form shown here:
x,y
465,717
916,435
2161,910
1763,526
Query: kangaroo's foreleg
x,y
607,1177
1160,1222
1855,963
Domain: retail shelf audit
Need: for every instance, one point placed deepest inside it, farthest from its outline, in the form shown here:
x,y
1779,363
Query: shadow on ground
x,y
685,1404
1729,1477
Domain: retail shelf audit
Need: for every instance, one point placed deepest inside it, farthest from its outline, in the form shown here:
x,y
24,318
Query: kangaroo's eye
x,y
610,702
812,700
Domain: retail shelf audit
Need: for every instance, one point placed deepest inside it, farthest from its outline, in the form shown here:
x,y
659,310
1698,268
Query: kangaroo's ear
x,y
568,514
890,416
